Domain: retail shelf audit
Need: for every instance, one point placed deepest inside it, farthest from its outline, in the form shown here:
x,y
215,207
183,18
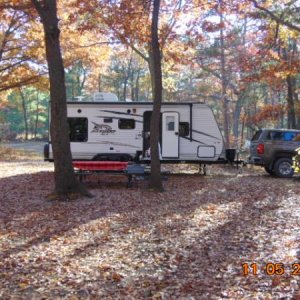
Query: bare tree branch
x,y
217,75
95,44
11,66
27,81
172,23
275,17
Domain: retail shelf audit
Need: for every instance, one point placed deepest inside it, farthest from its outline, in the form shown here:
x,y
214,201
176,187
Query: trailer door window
x,y
184,128
126,123
78,129
170,122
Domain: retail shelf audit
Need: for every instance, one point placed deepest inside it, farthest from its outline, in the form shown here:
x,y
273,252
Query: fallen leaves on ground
x,y
10,154
189,242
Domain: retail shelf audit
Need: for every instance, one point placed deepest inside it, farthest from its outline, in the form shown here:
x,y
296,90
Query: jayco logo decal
x,y
103,129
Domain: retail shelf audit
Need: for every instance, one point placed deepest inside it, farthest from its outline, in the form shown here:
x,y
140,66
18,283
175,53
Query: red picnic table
x,y
129,169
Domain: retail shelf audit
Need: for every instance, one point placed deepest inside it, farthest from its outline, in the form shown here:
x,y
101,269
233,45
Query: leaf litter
x,y
189,242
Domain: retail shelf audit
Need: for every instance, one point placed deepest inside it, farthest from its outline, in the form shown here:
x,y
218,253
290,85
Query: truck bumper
x,y
255,160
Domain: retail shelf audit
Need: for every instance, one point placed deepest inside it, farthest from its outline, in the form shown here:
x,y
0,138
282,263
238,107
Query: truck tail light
x,y
260,149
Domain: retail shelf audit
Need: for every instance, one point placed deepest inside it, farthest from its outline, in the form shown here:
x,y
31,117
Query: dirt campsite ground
x,y
229,235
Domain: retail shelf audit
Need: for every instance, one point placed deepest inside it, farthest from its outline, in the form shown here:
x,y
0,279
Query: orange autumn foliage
x,y
268,112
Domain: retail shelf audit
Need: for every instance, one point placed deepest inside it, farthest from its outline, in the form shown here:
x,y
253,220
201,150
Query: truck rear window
x,y
283,136
256,135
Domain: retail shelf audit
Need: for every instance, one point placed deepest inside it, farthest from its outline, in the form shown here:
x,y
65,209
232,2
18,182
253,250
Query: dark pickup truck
x,y
274,149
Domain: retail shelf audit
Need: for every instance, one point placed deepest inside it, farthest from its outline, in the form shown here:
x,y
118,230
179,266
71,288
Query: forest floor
x,y
31,146
190,242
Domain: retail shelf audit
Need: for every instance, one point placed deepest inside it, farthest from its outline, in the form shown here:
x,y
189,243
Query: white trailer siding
x,y
205,134
203,142
116,141
205,130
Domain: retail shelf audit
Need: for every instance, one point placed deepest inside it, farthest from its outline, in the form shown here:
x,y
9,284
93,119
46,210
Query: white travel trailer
x,y
119,131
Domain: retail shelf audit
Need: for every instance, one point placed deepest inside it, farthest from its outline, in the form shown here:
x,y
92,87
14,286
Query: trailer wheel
x,y
284,167
46,152
129,182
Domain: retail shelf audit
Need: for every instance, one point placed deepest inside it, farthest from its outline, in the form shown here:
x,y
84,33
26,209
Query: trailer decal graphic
x,y
116,118
121,113
103,129
187,138
203,133
116,144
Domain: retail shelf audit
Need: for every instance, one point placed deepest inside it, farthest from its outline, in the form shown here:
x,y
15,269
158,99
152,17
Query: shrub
x,y
296,161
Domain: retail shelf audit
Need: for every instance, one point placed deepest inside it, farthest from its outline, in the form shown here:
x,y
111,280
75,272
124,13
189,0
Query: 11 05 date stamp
x,y
271,269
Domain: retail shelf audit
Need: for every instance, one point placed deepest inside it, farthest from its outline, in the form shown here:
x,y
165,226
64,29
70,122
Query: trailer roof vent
x,y
80,98
105,97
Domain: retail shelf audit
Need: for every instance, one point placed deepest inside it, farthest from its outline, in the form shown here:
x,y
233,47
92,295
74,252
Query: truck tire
x,y
283,167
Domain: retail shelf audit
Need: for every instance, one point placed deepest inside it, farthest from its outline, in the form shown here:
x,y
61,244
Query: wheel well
x,y
281,155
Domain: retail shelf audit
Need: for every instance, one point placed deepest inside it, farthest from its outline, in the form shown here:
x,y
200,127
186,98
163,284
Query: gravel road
x,y
27,146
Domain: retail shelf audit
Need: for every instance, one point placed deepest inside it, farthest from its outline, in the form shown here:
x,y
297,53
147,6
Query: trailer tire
x,y
283,167
46,152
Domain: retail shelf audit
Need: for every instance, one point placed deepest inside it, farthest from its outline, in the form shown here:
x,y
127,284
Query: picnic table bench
x,y
129,169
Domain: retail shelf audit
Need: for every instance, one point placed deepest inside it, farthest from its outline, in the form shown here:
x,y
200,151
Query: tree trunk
x,y
137,86
36,114
236,119
125,88
242,134
132,83
99,83
24,108
125,80
224,82
156,80
78,84
296,101
64,176
291,102
132,91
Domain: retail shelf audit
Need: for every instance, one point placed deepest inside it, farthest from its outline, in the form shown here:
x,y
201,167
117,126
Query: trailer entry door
x,y
170,137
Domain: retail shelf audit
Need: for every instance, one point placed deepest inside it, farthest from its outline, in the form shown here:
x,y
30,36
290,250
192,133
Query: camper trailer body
x,y
120,131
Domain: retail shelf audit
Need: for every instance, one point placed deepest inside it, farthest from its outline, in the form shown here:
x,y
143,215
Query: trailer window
x,y
78,129
184,128
170,122
126,123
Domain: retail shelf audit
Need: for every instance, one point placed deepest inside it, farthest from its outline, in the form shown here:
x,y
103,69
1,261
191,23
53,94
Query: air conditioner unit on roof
x,y
105,97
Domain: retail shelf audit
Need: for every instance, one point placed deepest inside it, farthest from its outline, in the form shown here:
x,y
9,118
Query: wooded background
x,y
240,57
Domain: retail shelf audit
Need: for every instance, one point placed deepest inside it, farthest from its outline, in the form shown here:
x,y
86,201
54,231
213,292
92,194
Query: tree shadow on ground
x,y
164,218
